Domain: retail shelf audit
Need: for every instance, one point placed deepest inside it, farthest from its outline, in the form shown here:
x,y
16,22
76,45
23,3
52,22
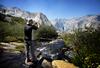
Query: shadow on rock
x,y
11,60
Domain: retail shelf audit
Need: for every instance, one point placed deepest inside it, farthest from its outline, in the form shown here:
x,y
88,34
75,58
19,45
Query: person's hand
x,y
38,25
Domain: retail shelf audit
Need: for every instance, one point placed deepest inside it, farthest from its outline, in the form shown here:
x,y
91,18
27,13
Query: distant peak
x,y
2,6
90,15
15,8
39,13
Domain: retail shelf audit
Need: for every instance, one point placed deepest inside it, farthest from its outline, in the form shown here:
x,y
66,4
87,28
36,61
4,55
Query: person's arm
x,y
37,24
34,27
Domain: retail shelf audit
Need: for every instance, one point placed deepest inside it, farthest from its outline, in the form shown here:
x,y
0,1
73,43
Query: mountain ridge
x,y
74,23
17,12
66,25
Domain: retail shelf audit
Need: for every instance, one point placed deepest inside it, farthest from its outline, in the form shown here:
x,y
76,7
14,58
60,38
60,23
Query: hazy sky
x,y
57,8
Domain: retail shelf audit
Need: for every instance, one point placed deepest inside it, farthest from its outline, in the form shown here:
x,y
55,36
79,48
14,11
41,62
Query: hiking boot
x,y
28,61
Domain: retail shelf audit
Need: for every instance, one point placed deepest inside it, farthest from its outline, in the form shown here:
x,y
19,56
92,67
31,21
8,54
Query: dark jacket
x,y
28,31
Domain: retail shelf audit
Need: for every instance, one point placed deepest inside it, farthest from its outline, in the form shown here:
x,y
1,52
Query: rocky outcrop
x,y
62,64
46,64
14,58
12,47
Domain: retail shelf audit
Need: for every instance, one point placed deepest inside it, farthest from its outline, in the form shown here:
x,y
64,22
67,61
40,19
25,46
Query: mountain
x,y
59,24
14,11
69,25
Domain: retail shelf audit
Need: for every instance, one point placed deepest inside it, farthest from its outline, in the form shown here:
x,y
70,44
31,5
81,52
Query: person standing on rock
x,y
29,44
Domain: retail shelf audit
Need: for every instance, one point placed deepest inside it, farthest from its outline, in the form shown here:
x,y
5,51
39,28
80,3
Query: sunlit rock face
x,y
62,64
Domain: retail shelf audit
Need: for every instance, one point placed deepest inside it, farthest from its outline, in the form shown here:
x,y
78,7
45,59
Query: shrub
x,y
10,39
46,32
67,37
20,48
87,47
13,28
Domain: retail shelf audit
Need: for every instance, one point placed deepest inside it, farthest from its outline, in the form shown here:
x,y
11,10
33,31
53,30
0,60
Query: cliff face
x,y
14,11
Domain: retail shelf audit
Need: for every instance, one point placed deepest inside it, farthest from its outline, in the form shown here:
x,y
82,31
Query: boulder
x,y
46,64
62,64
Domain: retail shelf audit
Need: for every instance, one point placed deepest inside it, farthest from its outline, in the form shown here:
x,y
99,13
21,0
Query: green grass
x,y
19,48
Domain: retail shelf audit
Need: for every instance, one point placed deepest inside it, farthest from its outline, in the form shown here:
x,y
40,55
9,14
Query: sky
x,y
57,8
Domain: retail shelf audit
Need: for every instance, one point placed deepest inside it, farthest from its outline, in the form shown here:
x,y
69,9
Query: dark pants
x,y
29,50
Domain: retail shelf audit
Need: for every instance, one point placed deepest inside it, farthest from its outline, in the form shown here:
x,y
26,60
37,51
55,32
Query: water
x,y
50,49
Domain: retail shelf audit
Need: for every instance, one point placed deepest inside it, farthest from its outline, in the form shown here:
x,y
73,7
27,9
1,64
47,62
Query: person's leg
x,y
27,49
32,51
